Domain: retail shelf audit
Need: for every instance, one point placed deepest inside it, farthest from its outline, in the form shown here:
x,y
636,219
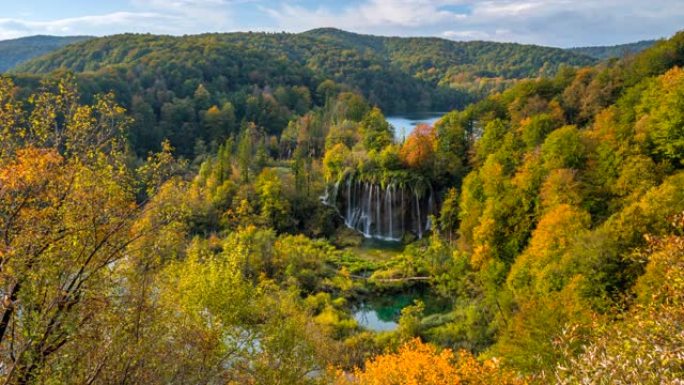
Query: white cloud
x,y
548,22
11,28
194,16
155,16
507,9
367,16
406,12
467,35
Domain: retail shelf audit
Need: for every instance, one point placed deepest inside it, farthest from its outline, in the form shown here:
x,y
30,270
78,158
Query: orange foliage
x,y
417,363
30,168
419,148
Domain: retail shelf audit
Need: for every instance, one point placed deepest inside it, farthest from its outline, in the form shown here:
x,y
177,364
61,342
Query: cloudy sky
x,y
562,23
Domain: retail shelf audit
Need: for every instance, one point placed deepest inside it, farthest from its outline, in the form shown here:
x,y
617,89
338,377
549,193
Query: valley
x,y
328,207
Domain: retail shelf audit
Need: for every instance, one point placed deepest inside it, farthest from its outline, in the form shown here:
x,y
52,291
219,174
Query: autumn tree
x,y
420,363
662,117
67,209
274,208
643,345
223,326
375,131
418,152
334,161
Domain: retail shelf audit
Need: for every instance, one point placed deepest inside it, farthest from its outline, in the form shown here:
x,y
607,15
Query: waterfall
x,y
418,217
378,229
403,213
428,221
368,210
388,209
347,219
379,211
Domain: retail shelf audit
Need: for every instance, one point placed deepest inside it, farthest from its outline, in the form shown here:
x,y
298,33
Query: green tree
x,y
273,207
202,98
245,151
375,131
451,149
449,214
334,161
663,104
564,148
67,212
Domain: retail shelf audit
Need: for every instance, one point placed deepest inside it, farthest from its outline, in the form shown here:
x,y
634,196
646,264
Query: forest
x,y
18,51
614,51
170,84
219,208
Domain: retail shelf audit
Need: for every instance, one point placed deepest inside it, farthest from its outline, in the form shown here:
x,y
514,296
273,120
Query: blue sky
x,y
563,23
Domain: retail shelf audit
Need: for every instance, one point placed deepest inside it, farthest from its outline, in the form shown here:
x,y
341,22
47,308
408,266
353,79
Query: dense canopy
x,y
230,208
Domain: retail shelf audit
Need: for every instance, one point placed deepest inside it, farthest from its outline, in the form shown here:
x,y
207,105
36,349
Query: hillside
x,y
238,210
614,51
17,51
416,56
268,78
341,55
537,232
441,60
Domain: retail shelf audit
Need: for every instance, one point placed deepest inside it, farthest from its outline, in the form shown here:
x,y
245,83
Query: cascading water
x,y
378,211
419,231
388,212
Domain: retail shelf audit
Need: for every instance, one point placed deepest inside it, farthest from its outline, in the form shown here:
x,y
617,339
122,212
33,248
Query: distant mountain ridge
x,y
396,73
418,55
171,83
428,57
614,51
16,51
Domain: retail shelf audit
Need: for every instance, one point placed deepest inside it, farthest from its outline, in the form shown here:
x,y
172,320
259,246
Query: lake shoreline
x,y
404,124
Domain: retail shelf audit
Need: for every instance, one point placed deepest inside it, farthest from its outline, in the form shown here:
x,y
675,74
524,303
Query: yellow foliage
x,y
557,229
542,265
417,363
561,187
334,161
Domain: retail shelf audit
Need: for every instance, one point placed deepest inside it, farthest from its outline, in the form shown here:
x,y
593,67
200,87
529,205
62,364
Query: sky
x,y
560,23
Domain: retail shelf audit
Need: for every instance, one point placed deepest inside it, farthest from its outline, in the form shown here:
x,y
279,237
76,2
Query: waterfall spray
x,y
371,209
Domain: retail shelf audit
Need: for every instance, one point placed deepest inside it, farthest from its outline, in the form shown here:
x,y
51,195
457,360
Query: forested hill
x,y
17,51
233,66
614,51
538,233
423,57
442,60
371,64
169,83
